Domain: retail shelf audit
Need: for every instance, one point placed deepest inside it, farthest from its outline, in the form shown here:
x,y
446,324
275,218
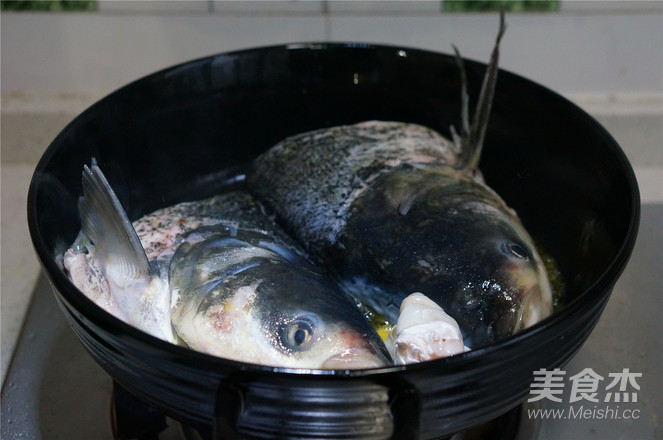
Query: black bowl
x,y
182,132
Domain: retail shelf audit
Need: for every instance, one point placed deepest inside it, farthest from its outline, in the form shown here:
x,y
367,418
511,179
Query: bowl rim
x,y
83,305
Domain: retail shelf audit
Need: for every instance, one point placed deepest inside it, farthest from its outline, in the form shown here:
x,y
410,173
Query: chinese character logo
x,y
584,386
624,379
547,385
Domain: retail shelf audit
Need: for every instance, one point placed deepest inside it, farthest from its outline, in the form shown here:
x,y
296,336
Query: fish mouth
x,y
353,358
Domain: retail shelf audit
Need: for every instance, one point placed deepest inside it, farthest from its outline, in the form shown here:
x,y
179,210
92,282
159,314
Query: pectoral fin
x,y
105,223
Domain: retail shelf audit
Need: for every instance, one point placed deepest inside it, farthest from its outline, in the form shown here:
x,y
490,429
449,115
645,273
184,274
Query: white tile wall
x,y
616,51
384,7
153,6
342,6
97,53
267,6
271,6
591,54
636,6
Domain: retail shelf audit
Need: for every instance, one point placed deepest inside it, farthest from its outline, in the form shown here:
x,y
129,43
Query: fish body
x,y
311,179
220,276
391,208
388,223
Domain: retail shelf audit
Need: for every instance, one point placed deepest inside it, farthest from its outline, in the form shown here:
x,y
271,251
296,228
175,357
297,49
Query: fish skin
x,y
392,208
405,220
189,262
253,299
455,241
125,268
311,179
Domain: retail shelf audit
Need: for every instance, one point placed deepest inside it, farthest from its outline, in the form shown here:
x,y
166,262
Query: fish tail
x,y
105,223
470,142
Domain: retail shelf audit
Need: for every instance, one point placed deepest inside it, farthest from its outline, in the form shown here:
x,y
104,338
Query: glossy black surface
x,y
179,133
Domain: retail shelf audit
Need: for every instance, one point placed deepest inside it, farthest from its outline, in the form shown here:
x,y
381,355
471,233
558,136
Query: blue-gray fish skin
x,y
250,297
392,208
223,276
384,207
311,179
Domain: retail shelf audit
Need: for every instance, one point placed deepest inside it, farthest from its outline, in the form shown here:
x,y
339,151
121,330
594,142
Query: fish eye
x,y
298,334
515,250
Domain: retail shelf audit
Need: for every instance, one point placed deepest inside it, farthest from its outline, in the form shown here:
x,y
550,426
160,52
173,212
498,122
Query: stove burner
x,y
133,419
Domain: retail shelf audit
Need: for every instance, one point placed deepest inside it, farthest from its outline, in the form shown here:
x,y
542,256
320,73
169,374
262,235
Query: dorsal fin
x,y
470,141
105,223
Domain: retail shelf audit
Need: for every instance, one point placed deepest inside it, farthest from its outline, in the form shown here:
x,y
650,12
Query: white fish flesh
x,y
423,332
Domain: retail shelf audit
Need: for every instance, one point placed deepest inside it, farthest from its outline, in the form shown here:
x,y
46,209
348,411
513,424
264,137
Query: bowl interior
x,y
180,133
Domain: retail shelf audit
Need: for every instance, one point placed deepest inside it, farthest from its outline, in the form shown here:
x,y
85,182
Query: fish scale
x,y
311,172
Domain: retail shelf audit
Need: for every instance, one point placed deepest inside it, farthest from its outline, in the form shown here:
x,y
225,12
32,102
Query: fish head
x,y
250,304
505,286
452,238
312,340
311,324
482,258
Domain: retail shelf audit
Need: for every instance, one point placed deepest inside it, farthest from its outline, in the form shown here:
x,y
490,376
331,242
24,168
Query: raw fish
x,y
220,276
391,208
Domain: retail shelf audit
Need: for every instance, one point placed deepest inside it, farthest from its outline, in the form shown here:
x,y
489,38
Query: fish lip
x,y
354,358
